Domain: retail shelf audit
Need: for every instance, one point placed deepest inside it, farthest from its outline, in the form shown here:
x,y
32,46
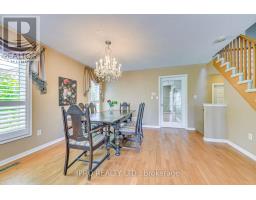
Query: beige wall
x,y
137,86
241,118
45,109
240,115
134,87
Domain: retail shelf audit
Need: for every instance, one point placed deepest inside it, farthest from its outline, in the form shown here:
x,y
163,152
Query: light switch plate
x,y
39,132
250,136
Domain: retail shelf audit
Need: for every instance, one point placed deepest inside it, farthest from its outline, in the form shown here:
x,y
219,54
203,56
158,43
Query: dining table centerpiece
x,y
111,104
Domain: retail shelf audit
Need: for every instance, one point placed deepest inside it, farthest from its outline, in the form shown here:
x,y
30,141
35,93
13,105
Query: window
x,y
95,94
15,93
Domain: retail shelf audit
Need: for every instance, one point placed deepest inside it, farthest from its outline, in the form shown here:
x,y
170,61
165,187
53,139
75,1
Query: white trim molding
x,y
215,140
214,105
242,150
235,146
185,93
150,126
30,151
157,126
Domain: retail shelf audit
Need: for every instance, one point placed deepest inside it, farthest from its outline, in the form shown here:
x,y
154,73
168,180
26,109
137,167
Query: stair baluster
x,y
254,61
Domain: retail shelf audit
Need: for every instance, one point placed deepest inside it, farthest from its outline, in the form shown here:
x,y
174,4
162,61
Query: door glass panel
x,y
172,101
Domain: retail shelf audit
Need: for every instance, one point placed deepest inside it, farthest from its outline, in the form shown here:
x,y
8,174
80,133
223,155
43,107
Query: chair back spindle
x,y
141,119
65,123
88,120
82,106
92,108
124,107
137,126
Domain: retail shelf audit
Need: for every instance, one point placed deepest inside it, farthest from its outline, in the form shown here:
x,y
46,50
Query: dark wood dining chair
x,y
124,106
82,106
92,108
141,127
85,139
133,133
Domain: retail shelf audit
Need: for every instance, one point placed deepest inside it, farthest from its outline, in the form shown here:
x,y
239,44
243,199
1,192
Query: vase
x,y
111,109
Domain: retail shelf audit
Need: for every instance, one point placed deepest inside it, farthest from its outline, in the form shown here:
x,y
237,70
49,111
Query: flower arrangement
x,y
67,91
111,103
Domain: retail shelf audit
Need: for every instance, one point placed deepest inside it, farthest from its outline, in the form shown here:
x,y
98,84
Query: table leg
x,y
130,118
108,136
117,142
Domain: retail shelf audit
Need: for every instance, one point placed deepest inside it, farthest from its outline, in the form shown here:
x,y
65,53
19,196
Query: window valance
x,y
19,49
89,76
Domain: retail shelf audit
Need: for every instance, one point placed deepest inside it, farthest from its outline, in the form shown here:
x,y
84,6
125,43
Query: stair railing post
x,y
240,49
229,56
237,54
249,60
245,59
231,53
254,61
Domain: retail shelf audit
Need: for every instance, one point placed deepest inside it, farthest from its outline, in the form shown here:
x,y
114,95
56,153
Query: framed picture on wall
x,y
67,91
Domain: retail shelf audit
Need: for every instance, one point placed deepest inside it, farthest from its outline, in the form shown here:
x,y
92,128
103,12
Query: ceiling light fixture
x,y
108,68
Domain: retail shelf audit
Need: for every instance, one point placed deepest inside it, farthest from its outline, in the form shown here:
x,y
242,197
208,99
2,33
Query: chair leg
x,y
90,165
66,161
138,143
141,138
108,153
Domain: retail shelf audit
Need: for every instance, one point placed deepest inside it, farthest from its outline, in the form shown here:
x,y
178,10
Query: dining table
x,y
114,119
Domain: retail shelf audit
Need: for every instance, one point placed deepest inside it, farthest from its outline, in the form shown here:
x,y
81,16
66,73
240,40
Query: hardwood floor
x,y
177,156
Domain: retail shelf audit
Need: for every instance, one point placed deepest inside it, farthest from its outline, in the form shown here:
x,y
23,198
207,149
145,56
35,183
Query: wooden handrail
x,y
248,38
241,54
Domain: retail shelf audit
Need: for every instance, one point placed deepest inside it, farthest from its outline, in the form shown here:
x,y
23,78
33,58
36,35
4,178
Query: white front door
x,y
173,101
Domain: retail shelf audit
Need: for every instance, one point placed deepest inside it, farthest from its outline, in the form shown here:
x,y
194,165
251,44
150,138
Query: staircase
x,y
237,63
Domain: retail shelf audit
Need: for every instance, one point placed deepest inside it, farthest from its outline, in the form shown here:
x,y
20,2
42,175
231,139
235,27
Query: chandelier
x,y
108,69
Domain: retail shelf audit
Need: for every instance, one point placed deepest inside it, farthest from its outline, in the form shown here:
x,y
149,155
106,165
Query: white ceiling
x,y
141,41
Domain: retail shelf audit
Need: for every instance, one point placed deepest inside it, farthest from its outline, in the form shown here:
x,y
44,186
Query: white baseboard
x,y
235,146
242,150
190,129
215,140
150,126
30,151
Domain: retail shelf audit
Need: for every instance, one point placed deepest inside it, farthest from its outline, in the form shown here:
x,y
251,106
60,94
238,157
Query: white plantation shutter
x,y
14,101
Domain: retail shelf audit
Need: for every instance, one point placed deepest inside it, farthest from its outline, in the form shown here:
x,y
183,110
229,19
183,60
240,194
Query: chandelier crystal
x,y
108,68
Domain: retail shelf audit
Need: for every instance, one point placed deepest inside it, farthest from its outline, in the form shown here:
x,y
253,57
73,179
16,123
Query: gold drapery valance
x,y
89,76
